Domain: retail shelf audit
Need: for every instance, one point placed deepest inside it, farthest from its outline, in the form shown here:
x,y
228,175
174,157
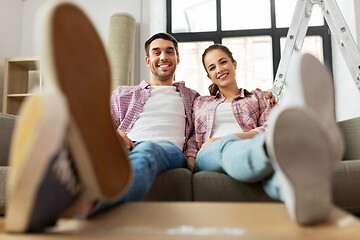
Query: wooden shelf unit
x,y
16,81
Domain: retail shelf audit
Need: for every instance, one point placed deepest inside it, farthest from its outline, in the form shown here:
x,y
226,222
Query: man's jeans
x,y
148,160
243,159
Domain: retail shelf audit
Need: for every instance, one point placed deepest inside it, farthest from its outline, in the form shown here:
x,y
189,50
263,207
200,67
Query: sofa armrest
x,y
7,123
351,131
3,173
346,182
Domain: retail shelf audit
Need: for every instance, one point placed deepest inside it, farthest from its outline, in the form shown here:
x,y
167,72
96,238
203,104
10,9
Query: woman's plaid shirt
x,y
251,111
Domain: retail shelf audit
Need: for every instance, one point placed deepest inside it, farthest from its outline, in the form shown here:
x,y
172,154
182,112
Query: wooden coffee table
x,y
200,220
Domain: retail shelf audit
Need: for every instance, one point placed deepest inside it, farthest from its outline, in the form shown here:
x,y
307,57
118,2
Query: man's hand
x,y
269,95
191,163
127,141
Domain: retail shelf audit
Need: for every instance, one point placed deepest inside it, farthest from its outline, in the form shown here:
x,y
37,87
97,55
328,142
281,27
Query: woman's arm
x,y
243,135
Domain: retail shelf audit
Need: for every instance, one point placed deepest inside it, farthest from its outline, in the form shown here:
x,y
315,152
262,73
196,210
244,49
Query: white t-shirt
x,y
162,119
225,122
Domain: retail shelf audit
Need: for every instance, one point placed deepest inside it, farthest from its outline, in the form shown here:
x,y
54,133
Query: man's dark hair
x,y
164,36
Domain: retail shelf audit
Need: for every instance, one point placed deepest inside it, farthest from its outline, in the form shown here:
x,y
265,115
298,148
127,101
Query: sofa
x,y
182,185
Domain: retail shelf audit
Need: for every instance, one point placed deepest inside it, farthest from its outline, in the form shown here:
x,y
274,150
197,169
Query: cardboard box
x,y
197,220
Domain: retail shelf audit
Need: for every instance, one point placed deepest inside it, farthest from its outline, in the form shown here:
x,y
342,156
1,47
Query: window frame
x,y
275,33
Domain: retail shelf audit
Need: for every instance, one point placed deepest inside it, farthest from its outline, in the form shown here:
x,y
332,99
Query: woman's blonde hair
x,y
213,88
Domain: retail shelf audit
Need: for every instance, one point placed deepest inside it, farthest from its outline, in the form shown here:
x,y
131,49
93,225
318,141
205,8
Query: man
x,y
66,136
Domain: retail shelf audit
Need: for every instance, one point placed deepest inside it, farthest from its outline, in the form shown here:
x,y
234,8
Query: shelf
x,y
21,74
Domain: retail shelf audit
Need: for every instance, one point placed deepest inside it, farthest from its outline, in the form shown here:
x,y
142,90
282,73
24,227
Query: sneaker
x,y
75,63
301,142
41,183
310,85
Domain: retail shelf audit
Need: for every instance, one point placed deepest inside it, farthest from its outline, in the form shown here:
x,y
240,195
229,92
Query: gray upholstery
x,y
346,184
351,131
7,123
182,185
6,127
172,185
214,186
3,173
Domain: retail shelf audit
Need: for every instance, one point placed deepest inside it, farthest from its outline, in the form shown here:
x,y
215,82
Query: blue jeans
x,y
148,160
243,159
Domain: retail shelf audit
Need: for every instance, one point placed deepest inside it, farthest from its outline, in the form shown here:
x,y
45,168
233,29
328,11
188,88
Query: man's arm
x,y
269,95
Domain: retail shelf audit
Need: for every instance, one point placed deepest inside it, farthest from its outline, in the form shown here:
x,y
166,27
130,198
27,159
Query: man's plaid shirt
x,y
127,103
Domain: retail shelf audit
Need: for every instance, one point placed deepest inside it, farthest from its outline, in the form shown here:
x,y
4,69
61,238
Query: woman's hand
x,y
127,141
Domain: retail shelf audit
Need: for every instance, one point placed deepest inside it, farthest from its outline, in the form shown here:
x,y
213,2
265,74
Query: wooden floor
x,y
189,220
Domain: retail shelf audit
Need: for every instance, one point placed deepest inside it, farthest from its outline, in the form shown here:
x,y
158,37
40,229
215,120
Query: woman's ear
x,y
235,64
208,76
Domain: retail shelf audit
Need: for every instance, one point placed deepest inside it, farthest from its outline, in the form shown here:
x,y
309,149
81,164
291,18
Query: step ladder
x,y
297,31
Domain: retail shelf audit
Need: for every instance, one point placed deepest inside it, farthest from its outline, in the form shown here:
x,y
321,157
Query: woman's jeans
x,y
148,160
243,159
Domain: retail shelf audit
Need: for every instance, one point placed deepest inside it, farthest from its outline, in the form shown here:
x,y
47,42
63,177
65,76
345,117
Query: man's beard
x,y
165,77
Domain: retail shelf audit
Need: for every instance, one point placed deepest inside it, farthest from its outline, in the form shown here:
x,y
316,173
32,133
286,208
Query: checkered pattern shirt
x,y
127,103
251,110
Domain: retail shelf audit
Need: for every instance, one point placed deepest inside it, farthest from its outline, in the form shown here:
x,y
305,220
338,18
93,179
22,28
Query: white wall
x,y
10,34
347,95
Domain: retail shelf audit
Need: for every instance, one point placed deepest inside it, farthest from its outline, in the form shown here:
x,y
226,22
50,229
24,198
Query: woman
x,y
229,135
229,115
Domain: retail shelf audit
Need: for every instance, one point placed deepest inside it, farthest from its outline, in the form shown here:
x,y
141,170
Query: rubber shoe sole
x,y
76,63
300,152
38,134
311,85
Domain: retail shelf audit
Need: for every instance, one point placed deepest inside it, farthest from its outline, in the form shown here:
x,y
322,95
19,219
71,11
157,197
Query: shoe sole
x,y
318,92
303,164
38,134
77,63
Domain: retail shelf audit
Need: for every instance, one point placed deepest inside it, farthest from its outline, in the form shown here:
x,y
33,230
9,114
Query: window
x,y
256,36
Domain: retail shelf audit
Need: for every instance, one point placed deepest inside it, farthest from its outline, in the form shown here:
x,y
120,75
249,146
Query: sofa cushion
x,y
172,185
215,186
